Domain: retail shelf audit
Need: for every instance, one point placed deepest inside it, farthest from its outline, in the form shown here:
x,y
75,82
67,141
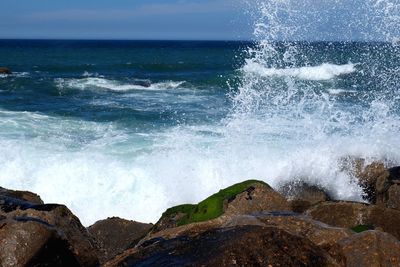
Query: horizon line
x,y
186,40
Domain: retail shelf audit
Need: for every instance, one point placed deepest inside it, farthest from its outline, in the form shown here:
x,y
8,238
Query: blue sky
x,y
197,19
124,19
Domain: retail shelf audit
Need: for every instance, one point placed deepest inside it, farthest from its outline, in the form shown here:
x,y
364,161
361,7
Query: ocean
x,y
130,128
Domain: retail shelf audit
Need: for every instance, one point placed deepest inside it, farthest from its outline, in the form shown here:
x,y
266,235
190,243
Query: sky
x,y
124,19
200,19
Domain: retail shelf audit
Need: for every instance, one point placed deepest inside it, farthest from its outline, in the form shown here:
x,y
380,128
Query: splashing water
x,y
299,126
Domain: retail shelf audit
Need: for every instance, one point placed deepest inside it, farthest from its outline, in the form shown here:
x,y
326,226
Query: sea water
x,y
130,128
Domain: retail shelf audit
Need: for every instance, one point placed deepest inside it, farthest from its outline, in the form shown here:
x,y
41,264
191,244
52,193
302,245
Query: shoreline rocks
x,y
33,234
4,70
115,235
246,224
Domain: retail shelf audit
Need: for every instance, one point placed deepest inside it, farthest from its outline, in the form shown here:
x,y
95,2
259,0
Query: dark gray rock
x,y
115,235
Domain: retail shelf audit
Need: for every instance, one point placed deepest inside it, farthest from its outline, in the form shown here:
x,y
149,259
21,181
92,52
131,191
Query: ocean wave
x,y
323,72
113,85
15,74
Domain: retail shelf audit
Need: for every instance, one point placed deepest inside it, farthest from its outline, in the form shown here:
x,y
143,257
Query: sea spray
x,y
313,128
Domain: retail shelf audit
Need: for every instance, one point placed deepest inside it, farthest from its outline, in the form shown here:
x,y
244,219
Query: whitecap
x,y
323,72
113,85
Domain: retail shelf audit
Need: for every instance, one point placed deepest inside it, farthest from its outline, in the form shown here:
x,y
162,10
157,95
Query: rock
x,y
44,229
322,235
21,195
387,189
257,197
4,70
340,214
250,245
243,198
302,196
366,174
33,243
379,184
143,83
371,248
393,197
115,235
352,214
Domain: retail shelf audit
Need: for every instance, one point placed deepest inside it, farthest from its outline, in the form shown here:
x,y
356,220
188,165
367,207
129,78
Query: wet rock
x,y
243,198
115,235
340,214
250,245
387,189
393,197
302,195
394,174
33,243
371,248
21,195
352,214
256,198
322,235
143,83
367,175
4,70
44,228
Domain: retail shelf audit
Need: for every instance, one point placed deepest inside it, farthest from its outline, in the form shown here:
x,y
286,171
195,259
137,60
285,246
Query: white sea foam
x,y
15,74
322,72
113,85
99,170
338,91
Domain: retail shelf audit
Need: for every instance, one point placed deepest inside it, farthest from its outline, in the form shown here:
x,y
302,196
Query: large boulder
x,y
381,185
370,248
302,195
29,242
355,216
21,195
367,174
392,197
249,245
243,198
321,235
4,70
48,235
387,189
115,235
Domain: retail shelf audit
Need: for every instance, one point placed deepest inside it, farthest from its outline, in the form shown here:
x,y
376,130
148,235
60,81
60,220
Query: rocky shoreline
x,y
246,224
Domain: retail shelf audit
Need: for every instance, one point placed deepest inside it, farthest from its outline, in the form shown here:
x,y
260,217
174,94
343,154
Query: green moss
x,y
210,208
362,228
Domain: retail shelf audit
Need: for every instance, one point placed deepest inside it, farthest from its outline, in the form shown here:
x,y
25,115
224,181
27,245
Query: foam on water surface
x,y
113,85
323,72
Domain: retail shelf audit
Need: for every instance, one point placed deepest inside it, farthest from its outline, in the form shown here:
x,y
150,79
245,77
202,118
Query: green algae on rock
x,y
362,228
245,197
210,208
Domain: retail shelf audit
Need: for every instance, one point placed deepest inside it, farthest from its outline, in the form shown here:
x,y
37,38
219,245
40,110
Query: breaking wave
x,y
323,72
114,85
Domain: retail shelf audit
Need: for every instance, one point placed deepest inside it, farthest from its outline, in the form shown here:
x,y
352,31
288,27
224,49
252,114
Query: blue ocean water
x,y
129,128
